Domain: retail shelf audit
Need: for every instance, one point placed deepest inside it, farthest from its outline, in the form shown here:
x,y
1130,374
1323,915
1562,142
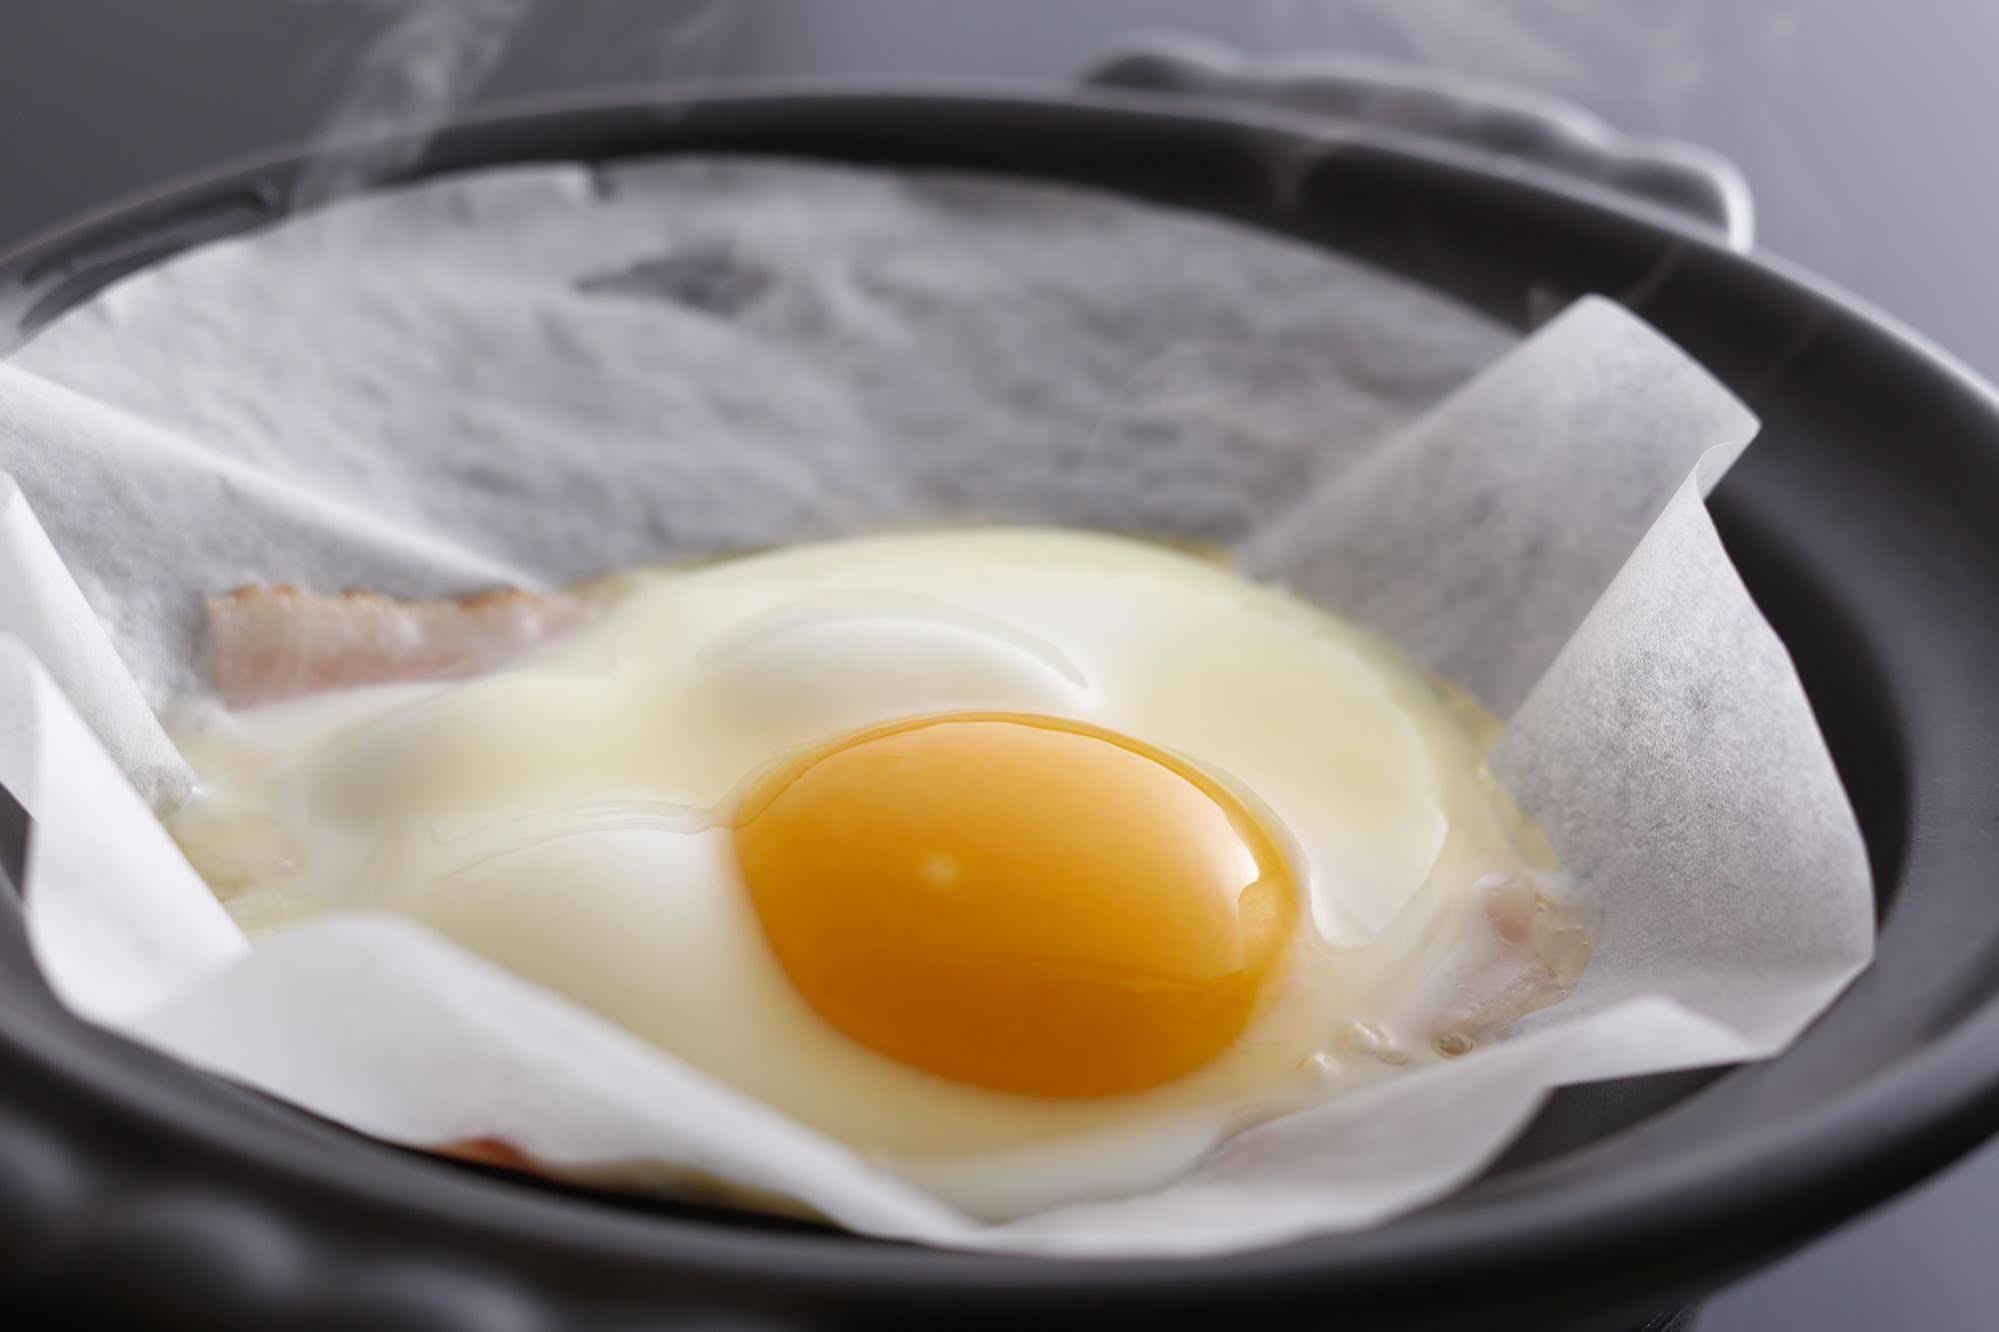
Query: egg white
x,y
565,818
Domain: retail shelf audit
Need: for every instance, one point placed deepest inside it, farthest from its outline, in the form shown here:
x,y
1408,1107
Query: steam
x,y
1644,64
695,42
429,58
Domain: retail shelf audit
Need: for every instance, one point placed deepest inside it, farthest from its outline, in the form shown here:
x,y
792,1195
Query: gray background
x,y
1863,126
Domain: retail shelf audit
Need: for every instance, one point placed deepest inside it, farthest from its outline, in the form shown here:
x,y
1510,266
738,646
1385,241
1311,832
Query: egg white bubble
x,y
838,663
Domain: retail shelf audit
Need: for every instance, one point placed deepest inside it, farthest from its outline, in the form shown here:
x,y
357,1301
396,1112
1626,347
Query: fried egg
x,y
1030,863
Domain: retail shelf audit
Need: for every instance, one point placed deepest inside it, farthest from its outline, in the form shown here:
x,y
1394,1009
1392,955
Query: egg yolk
x,y
1018,902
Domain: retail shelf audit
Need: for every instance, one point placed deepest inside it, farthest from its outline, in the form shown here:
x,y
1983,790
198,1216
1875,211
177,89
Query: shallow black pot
x,y
1866,522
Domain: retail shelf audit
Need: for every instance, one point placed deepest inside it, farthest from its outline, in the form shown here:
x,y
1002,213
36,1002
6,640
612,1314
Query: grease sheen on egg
x,y
1018,902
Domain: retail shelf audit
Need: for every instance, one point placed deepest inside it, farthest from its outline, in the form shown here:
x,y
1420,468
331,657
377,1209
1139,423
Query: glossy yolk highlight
x,y
1023,903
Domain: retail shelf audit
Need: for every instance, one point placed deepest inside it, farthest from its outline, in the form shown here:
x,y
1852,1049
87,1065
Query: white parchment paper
x,y
536,374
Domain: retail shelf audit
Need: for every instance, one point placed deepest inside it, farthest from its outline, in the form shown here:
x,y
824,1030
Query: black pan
x,y
1865,521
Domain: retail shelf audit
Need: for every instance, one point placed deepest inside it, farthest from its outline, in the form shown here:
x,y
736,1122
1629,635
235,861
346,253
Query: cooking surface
x,y
1842,180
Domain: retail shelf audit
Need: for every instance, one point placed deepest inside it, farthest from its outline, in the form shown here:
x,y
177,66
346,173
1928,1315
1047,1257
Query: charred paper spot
x,y
709,278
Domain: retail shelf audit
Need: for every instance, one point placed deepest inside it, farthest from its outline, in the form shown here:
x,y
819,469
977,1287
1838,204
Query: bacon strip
x,y
273,642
